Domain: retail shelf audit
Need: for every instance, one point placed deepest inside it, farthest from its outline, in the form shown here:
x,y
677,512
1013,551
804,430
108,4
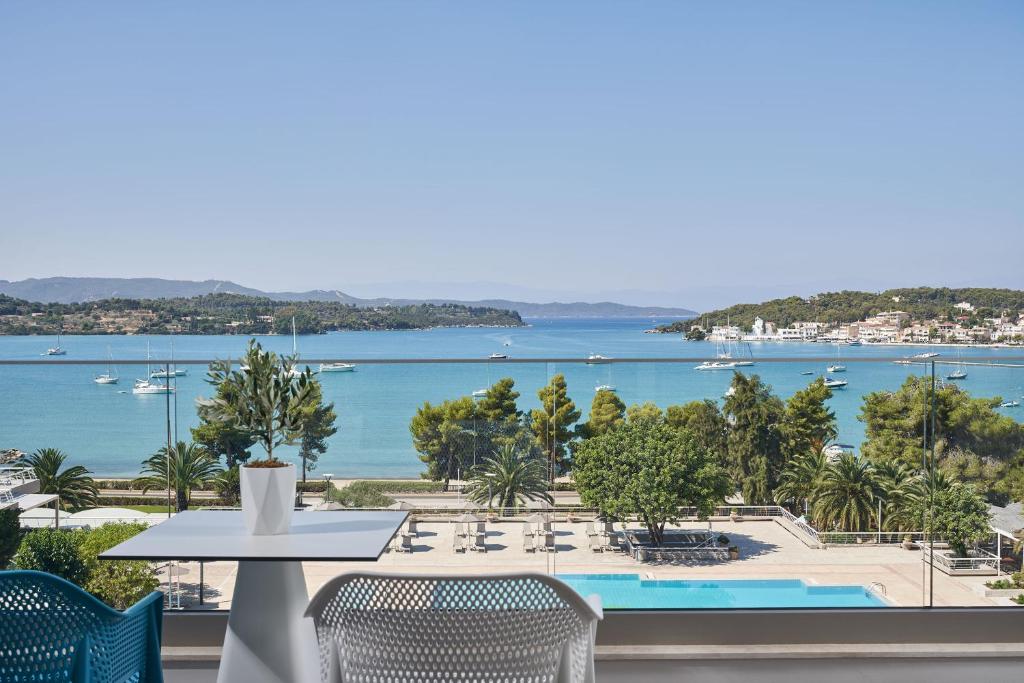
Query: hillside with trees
x,y
234,314
850,306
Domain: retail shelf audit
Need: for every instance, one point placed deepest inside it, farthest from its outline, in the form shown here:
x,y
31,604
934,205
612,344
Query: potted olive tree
x,y
265,398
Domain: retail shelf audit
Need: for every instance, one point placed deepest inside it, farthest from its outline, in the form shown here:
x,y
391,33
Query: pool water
x,y
629,591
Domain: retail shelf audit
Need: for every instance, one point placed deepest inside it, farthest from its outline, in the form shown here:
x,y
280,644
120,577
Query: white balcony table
x,y
267,640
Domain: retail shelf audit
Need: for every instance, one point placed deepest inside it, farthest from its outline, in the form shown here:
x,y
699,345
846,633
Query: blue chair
x,y
52,630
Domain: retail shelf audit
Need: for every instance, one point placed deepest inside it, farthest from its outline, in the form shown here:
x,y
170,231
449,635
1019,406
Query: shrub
x,y
1019,599
10,534
361,494
399,486
54,551
119,583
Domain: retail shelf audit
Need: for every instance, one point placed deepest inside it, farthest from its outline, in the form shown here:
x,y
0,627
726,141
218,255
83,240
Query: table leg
x,y
268,640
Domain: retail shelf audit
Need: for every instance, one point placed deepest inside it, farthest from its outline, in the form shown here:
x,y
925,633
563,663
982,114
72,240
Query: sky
x,y
672,153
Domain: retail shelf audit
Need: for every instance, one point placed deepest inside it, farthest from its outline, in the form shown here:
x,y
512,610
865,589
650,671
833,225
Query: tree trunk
x,y
182,500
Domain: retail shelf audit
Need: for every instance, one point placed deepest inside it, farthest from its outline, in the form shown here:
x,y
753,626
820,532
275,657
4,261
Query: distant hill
x,y
850,306
68,290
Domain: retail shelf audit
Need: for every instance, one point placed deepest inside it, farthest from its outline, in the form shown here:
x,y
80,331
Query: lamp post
x,y
327,489
490,495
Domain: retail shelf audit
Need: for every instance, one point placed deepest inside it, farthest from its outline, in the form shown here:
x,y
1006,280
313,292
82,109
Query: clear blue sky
x,y
689,150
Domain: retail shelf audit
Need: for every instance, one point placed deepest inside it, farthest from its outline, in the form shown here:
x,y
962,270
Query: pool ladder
x,y
876,587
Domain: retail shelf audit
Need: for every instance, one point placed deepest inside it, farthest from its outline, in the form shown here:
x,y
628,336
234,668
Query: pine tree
x,y
552,423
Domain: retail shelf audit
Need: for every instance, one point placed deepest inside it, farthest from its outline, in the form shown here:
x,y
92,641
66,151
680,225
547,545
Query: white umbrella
x,y
467,518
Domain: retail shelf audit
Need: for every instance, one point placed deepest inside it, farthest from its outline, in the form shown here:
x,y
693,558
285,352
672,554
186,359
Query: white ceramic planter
x,y
268,499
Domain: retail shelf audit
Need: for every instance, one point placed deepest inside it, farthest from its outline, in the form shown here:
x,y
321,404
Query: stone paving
x,y
768,550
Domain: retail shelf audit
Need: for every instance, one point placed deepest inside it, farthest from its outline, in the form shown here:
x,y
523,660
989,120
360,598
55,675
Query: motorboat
x,y
144,386
595,358
925,356
716,365
605,387
1009,404
855,342
337,367
833,383
479,393
168,373
498,356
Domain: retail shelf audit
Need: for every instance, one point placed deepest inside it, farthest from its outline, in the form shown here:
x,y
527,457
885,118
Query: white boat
x,y
498,356
855,342
923,356
144,386
479,393
837,366
605,387
716,365
961,369
731,391
108,377
296,372
595,358
57,350
807,372
165,373
337,367
1009,404
833,383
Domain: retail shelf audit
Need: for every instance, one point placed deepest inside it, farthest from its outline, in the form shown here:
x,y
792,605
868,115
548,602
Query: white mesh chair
x,y
488,629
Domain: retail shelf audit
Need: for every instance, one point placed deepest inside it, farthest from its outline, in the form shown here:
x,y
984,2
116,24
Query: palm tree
x,y
73,485
511,476
191,467
846,495
899,486
799,480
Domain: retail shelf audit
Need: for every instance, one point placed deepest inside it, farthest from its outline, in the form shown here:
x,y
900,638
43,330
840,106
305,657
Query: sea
x,y
111,431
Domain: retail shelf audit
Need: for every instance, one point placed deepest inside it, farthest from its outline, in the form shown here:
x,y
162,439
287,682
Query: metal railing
x,y
68,522
983,561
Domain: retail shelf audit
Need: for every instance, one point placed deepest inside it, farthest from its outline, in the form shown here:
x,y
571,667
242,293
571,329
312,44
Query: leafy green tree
x,y
187,466
510,477
845,497
73,485
443,436
265,399
499,404
607,411
10,534
552,423
317,425
800,479
755,439
54,551
900,488
894,423
228,487
988,476
960,516
705,422
650,469
808,424
119,583
644,411
360,494
222,438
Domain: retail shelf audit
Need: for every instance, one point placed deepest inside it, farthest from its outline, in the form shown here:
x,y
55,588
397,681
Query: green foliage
x,y
808,424
54,551
221,439
185,467
265,399
552,423
801,477
607,411
901,488
443,436
650,469
845,497
73,484
317,425
960,516
705,422
396,486
755,439
240,314
499,405
10,534
509,478
894,423
360,494
119,583
644,411
848,306
228,486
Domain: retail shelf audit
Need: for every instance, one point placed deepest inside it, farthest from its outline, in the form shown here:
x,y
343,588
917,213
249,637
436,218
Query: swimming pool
x,y
629,591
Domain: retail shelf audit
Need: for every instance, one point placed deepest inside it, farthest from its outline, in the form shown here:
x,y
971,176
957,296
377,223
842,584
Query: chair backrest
x,y
52,630
405,628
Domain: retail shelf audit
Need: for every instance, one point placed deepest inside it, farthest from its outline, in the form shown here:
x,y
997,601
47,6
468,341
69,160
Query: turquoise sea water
x,y
629,591
112,432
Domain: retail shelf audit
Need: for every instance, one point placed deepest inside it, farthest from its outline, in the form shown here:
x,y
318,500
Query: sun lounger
x,y
529,543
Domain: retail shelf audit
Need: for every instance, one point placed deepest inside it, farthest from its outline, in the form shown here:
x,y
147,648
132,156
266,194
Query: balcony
x,y
743,590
